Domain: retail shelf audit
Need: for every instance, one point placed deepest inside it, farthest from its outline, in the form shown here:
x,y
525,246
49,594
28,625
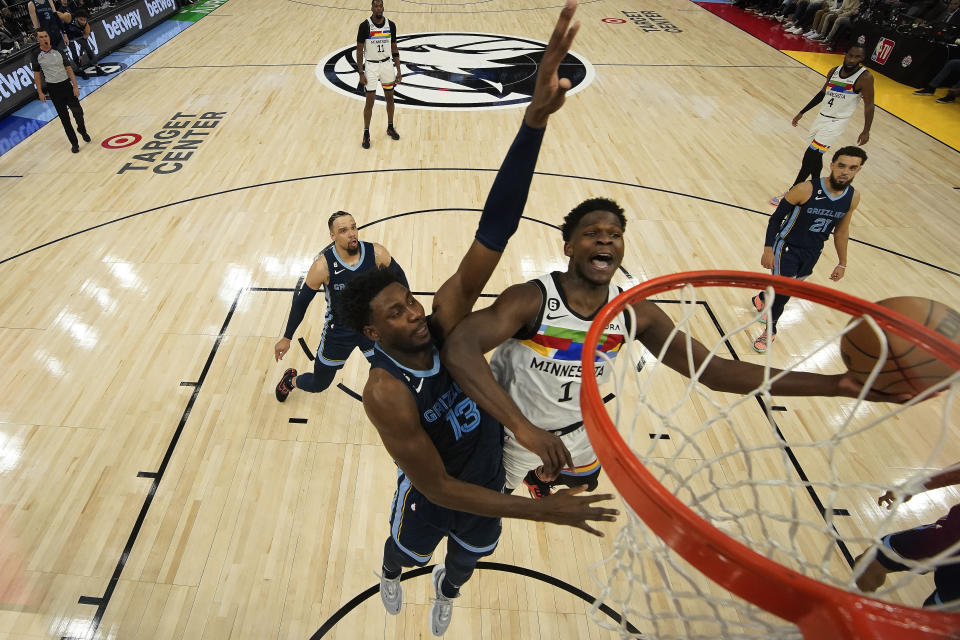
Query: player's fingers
x,y
575,490
589,529
559,29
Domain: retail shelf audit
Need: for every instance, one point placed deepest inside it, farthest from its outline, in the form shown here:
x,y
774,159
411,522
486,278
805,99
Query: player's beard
x,y
838,186
352,251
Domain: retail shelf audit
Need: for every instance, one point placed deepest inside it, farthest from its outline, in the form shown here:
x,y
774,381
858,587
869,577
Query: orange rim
x,y
818,609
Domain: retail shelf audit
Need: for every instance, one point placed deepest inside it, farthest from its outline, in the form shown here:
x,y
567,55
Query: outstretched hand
x,y
565,507
550,90
848,386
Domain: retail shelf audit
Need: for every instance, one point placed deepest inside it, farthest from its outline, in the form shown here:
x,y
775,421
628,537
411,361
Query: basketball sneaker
x,y
285,386
442,609
537,487
947,98
923,92
393,133
391,593
758,305
366,140
760,344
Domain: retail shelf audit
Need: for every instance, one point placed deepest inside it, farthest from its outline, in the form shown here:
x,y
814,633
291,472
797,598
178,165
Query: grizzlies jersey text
x,y
468,439
541,370
340,275
841,99
809,224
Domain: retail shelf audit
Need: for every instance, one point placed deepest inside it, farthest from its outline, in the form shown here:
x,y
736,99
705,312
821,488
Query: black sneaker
x,y
366,141
101,71
285,386
538,488
923,92
947,98
85,136
393,133
75,149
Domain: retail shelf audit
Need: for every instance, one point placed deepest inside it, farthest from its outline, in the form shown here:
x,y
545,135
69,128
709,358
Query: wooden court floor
x,y
150,484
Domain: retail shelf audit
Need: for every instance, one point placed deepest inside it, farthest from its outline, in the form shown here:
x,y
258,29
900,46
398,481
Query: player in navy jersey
x,y
449,453
803,221
918,544
333,269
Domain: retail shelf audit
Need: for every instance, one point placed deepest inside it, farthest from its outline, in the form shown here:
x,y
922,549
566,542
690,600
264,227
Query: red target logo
x,y
121,140
614,21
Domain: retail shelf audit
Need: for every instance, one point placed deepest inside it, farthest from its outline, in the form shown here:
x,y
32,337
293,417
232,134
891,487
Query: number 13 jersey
x,y
541,369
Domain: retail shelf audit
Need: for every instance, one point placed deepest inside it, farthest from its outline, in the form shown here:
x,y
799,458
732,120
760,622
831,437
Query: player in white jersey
x,y
540,369
378,61
537,384
845,86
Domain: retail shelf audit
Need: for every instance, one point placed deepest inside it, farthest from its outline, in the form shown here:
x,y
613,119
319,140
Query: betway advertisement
x,y
107,33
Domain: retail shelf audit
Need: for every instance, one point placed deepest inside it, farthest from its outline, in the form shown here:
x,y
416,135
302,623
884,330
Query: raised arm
x,y
478,333
738,376
391,409
508,195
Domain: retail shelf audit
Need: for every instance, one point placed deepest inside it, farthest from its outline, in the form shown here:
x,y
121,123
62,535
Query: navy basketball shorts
x,y
417,525
336,345
794,262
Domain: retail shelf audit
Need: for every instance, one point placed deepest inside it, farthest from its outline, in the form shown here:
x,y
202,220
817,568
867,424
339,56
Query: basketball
x,y
908,368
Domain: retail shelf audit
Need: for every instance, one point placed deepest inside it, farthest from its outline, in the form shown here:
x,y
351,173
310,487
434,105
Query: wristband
x,y
841,266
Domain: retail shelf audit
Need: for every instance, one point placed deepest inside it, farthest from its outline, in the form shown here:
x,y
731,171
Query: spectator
x,y
78,30
847,9
803,16
952,66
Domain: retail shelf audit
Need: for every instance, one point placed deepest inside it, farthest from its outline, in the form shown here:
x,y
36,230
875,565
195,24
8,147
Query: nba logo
x,y
883,50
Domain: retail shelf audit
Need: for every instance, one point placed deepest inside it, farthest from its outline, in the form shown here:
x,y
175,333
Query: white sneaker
x,y
392,594
795,30
442,609
811,34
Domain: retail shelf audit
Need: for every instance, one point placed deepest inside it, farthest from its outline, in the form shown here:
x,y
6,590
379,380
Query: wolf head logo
x,y
460,71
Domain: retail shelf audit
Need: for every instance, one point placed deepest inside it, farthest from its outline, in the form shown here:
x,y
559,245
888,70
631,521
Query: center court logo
x,y
460,71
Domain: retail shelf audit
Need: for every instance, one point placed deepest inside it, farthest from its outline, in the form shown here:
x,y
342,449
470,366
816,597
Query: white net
x,y
795,479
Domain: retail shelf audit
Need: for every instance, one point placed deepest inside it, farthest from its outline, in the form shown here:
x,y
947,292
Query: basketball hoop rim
x,y
814,606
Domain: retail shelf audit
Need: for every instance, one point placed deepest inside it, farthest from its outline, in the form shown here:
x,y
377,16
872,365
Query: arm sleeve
x,y
776,221
395,268
393,30
817,99
363,31
508,195
301,300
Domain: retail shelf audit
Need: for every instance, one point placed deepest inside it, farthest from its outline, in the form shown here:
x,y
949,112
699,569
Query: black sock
x,y
811,166
391,575
389,125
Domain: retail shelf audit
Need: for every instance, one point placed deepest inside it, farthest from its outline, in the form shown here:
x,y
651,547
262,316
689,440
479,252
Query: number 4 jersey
x,y
541,368
841,99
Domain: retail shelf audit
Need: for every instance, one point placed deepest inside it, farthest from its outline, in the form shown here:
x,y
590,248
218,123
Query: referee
x,y
50,66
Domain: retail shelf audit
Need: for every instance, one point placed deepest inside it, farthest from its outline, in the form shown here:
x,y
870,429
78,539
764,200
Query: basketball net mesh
x,y
751,483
